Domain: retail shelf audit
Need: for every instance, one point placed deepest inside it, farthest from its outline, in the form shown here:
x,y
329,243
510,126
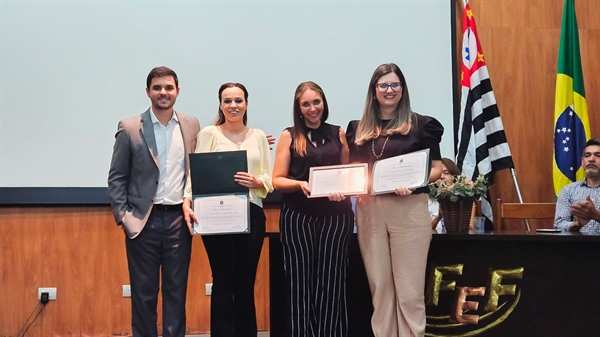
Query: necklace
x,y
382,148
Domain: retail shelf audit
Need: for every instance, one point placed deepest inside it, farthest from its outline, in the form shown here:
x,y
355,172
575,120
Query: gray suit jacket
x,y
133,174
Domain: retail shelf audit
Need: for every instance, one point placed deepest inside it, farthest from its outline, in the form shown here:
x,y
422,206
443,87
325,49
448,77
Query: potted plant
x,y
456,200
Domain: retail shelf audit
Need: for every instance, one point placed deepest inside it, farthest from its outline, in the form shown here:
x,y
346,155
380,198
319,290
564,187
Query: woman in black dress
x,y
314,232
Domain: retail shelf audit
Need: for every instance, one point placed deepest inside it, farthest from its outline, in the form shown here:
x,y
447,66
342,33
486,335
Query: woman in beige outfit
x,y
394,230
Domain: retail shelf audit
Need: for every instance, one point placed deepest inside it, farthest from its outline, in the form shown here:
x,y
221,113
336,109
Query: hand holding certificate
x,y
344,179
221,203
409,170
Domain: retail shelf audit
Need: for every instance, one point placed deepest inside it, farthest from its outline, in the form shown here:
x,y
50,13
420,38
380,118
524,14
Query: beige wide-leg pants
x,y
394,233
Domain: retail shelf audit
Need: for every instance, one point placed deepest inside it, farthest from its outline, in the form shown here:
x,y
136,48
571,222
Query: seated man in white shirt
x,y
578,204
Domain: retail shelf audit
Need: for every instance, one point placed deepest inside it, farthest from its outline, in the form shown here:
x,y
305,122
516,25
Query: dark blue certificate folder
x,y
212,173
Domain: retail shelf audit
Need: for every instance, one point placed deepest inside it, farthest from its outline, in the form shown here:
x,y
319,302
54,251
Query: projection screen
x,y
71,70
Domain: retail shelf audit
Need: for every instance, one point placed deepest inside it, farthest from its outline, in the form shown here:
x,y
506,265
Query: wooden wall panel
x,y
81,252
520,41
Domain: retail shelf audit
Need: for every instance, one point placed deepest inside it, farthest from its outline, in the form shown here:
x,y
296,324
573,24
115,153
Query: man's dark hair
x,y
593,141
161,72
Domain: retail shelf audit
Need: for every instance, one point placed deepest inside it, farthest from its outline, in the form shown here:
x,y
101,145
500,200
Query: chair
x,y
533,210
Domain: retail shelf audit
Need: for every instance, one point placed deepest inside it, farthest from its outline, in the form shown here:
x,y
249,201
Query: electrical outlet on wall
x,y
51,293
208,289
126,290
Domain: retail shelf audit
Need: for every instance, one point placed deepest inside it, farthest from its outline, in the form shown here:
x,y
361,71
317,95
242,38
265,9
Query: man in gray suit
x,y
145,186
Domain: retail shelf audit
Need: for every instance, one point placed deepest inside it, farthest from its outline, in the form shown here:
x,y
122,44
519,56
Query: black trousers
x,y
162,249
233,260
315,254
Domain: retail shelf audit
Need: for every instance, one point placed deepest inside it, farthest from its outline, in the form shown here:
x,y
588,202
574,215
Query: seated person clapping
x,y
578,204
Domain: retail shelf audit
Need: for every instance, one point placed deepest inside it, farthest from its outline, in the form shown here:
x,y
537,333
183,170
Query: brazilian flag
x,y
571,122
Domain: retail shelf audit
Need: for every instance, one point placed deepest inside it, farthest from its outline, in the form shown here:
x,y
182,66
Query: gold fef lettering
x,y
436,282
496,287
461,305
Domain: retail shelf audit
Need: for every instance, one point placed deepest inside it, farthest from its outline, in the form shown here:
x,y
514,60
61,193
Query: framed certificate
x,y
346,179
410,170
222,214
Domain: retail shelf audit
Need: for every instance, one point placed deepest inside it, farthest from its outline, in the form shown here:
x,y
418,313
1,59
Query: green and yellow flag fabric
x,y
571,122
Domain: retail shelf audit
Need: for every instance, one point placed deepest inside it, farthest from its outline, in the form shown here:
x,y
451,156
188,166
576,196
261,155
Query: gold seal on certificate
x,y
346,179
221,214
408,170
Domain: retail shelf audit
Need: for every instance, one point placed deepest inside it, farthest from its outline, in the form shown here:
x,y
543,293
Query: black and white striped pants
x,y
315,253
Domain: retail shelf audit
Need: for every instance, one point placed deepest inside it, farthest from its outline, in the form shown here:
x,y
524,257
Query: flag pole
x,y
514,177
512,170
477,118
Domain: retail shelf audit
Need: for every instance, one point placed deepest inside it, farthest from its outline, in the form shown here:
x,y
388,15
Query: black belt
x,y
166,208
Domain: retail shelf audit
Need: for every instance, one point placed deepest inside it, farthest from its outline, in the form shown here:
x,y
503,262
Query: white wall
x,y
71,70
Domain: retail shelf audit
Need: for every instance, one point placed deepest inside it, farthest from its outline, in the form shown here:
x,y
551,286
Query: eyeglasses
x,y
383,87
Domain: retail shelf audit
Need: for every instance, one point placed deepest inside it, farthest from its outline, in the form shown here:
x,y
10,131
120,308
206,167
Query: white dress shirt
x,y
171,155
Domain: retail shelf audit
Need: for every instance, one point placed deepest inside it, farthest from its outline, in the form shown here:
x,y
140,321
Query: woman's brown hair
x,y
298,130
220,115
451,166
369,126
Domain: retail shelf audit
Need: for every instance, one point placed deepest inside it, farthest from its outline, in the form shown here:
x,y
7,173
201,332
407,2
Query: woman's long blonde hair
x,y
401,122
299,124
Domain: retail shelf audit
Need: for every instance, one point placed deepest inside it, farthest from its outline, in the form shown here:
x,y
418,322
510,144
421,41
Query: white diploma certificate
x,y
408,170
221,214
345,179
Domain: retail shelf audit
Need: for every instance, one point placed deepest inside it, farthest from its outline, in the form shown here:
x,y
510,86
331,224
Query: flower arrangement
x,y
460,188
